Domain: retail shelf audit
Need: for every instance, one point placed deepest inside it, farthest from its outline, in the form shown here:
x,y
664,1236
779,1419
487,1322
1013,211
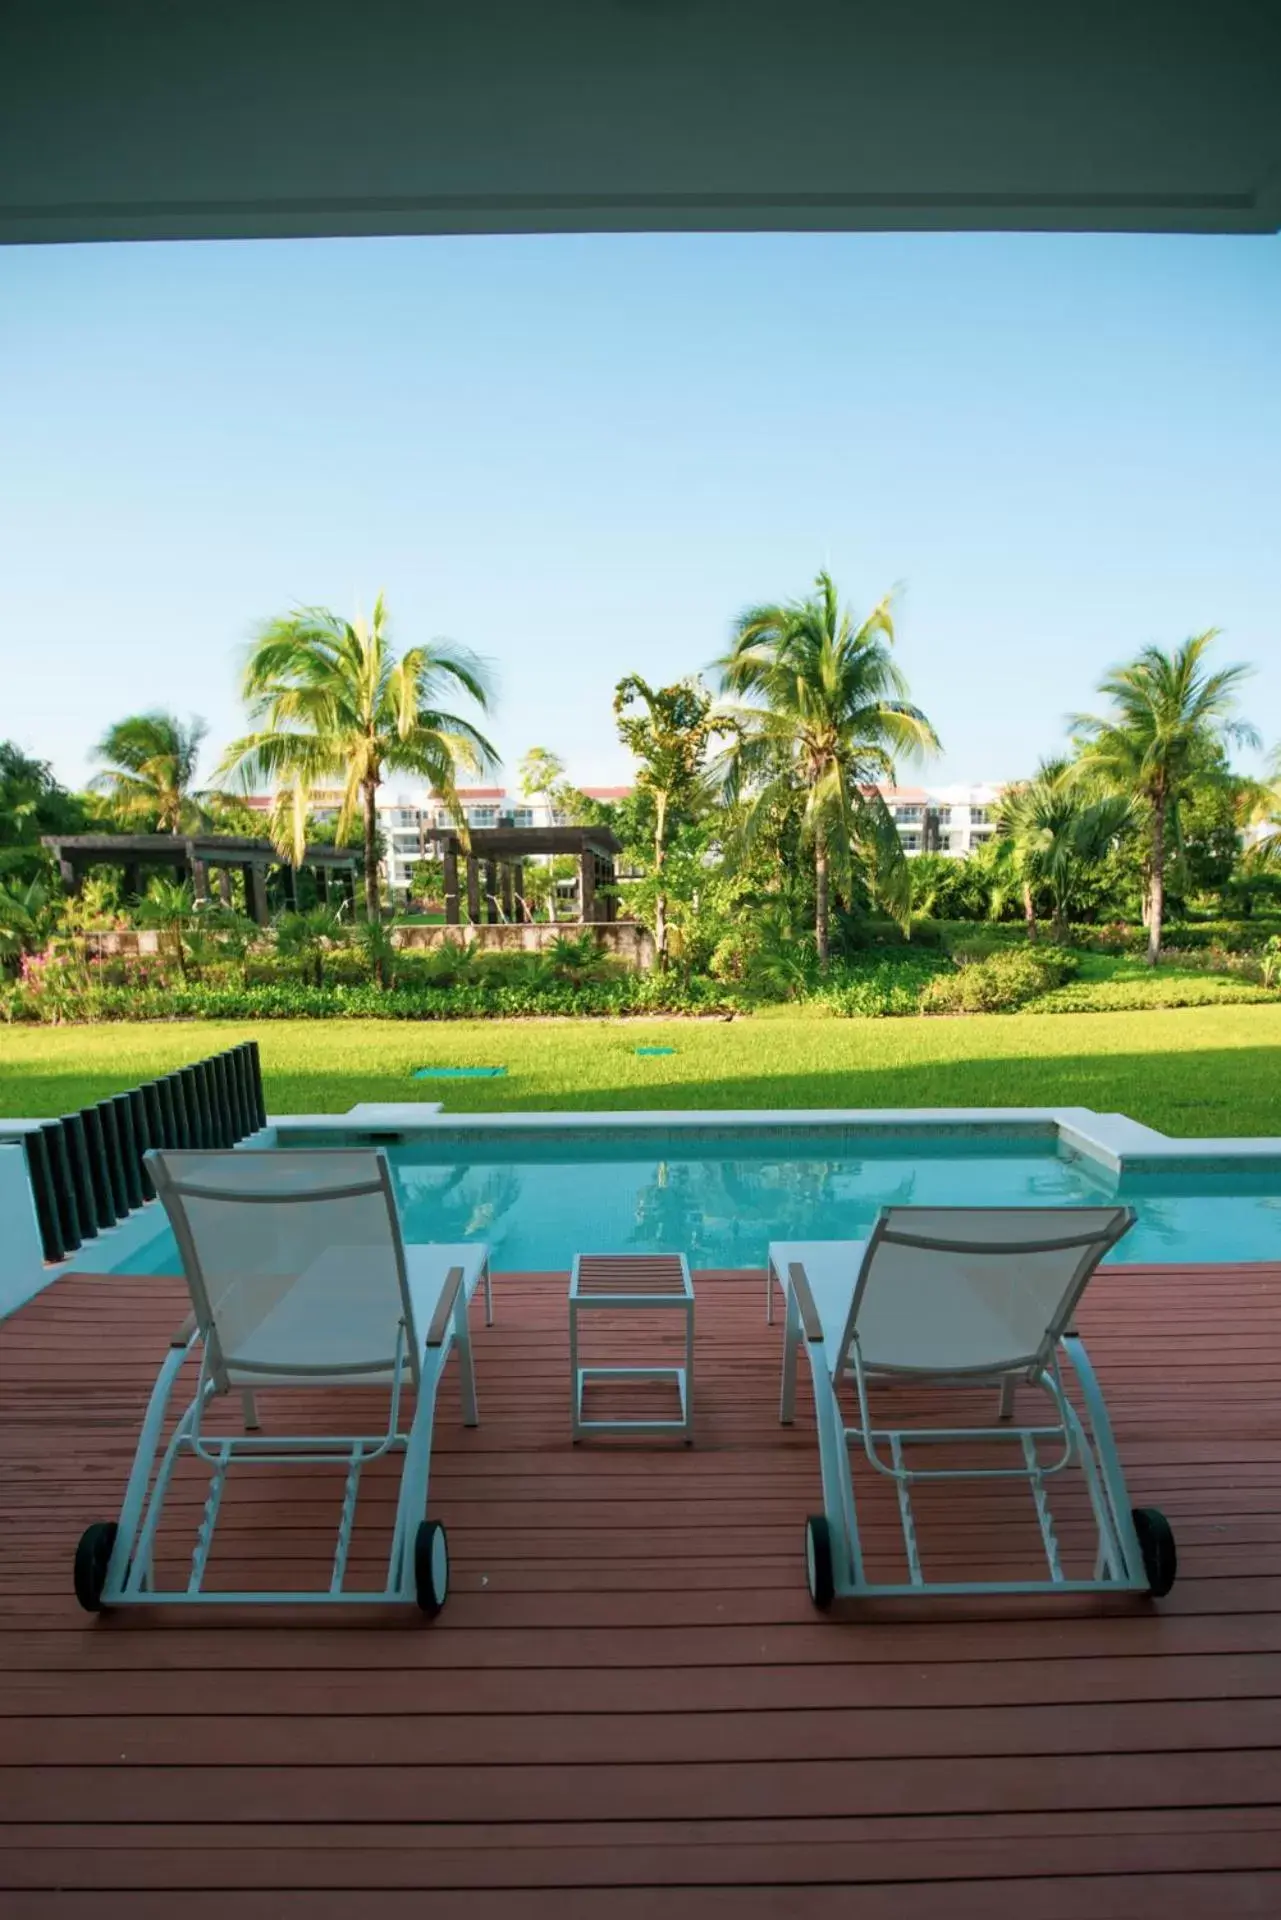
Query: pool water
x,y
721,1196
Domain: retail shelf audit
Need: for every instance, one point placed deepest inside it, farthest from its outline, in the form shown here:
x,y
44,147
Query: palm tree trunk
x,y
1156,883
660,900
821,900
373,909
1029,911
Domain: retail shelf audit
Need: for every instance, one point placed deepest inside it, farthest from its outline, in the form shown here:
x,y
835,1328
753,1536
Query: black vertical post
x,y
155,1118
208,1107
110,1123
73,1129
168,1118
41,1176
128,1148
195,1119
141,1139
255,1077
236,1087
220,1102
99,1170
178,1095
64,1193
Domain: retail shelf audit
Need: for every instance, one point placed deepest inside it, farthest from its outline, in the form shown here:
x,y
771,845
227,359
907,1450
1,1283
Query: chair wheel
x,y
818,1561
431,1567
93,1557
1156,1544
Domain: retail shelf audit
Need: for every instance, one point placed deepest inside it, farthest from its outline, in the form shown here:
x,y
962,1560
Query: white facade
x,y
950,820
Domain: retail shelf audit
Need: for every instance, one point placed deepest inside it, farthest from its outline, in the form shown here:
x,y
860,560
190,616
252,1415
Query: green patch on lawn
x,y
1201,1070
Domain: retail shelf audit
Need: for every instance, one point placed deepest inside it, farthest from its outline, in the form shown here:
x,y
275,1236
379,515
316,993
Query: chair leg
x,y
791,1341
250,1408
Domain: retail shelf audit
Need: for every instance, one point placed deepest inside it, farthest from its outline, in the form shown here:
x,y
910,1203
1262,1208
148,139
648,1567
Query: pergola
x,y
493,863
198,855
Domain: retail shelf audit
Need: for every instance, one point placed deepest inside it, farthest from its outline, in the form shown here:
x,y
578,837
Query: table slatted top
x,y
618,1275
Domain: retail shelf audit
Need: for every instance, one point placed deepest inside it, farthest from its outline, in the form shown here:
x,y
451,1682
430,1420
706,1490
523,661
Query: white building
x,y
952,820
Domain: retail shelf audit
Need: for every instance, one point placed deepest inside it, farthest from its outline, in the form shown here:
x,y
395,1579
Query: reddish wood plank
x,y
625,1702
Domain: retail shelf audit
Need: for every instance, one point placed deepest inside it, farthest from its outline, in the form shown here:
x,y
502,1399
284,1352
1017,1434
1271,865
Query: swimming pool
x,y
721,1194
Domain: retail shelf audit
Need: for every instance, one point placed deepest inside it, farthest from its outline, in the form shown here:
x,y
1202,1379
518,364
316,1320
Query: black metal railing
x,y
87,1169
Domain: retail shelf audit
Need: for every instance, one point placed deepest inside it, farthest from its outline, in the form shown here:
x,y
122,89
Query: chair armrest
x,y
811,1324
444,1308
185,1333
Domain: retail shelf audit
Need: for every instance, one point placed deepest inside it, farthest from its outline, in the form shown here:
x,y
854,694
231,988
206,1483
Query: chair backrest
x,y
294,1259
974,1290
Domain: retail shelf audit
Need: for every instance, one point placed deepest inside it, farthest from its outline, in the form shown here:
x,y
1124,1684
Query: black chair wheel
x,y
819,1577
93,1557
1156,1544
431,1567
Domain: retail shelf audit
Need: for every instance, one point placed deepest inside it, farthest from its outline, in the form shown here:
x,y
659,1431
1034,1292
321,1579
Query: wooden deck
x,y
628,1706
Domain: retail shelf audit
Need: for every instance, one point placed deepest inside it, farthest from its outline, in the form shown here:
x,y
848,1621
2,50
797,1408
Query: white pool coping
x,y
1113,1140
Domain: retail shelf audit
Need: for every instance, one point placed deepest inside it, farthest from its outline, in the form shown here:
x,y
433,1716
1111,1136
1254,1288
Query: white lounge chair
x,y
299,1277
960,1296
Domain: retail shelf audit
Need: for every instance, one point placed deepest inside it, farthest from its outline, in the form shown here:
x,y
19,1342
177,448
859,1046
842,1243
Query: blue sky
x,y
583,455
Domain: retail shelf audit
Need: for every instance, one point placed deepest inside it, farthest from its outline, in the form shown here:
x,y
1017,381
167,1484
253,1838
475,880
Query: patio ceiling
x,y
514,116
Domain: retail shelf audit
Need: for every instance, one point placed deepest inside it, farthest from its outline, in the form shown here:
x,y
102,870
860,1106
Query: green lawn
x,y
1202,1070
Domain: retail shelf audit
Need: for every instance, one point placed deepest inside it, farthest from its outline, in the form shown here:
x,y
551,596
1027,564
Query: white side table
x,y
620,1281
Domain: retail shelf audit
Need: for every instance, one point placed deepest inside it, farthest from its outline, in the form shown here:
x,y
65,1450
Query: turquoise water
x,y
721,1196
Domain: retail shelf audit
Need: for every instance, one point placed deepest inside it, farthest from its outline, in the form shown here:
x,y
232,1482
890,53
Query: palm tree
x,y
336,705
307,937
150,771
827,716
1057,830
1168,715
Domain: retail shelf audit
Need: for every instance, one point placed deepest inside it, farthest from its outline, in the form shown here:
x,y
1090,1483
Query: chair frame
x,y
1089,1443
130,1577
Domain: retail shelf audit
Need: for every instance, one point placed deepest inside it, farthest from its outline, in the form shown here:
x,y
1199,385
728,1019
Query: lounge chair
x,y
960,1296
299,1277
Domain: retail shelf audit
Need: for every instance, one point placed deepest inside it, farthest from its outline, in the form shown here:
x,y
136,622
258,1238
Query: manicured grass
x,y
1203,1070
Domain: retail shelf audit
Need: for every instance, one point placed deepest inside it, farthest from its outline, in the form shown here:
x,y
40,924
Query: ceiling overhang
x,y
129,120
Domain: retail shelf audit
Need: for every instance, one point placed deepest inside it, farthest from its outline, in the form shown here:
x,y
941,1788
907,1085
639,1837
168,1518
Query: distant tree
x,y
32,803
336,705
669,732
1059,831
1168,715
825,715
540,773
149,775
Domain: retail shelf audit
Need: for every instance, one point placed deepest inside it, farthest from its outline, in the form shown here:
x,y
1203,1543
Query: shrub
x,y
1001,982
879,988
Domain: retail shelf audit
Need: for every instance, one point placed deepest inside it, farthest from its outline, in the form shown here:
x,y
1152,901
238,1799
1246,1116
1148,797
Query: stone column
x,y
587,885
450,865
322,883
473,890
199,878
518,891
491,892
224,885
132,880
509,890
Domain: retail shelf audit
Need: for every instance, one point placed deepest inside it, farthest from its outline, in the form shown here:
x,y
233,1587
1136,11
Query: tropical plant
x,y
149,774
1168,716
1058,831
825,714
31,804
28,912
170,906
540,772
669,731
335,704
308,937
